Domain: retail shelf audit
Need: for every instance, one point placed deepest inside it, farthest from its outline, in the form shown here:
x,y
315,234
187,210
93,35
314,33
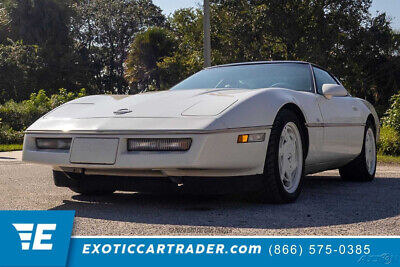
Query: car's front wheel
x,y
364,166
284,164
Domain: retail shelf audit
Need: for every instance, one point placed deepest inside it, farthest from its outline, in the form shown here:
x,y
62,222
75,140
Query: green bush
x,y
392,115
19,116
10,136
389,143
16,117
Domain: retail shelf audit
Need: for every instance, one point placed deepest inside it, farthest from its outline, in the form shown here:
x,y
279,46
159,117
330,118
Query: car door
x,y
342,122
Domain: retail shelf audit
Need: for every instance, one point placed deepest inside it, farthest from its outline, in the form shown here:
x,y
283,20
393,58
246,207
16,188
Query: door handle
x,y
355,108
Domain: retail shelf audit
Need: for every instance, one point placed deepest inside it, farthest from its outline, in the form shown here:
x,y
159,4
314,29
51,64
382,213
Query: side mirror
x,y
331,90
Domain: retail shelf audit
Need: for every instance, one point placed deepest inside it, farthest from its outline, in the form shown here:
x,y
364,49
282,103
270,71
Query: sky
x,y
391,7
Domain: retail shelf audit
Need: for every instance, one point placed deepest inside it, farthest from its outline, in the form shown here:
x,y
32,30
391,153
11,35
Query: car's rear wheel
x,y
363,168
284,164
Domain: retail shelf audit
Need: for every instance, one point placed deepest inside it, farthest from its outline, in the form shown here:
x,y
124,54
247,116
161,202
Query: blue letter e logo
x,y
35,238
25,234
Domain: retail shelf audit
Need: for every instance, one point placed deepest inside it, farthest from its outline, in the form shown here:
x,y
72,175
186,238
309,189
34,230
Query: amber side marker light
x,y
251,138
244,138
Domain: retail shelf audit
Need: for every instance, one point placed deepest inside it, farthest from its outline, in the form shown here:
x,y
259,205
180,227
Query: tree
x,y
290,29
4,24
19,65
148,49
341,35
103,31
45,24
378,62
186,27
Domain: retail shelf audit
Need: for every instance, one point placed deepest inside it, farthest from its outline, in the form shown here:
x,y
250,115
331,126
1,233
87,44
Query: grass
x,y
12,147
389,159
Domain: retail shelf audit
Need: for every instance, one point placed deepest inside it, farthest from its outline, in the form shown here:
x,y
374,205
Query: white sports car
x,y
258,126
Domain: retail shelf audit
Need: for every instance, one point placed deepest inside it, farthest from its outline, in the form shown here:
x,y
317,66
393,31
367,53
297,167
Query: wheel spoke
x,y
293,171
294,163
287,182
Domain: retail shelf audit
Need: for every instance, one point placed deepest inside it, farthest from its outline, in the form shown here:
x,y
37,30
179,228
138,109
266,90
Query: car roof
x,y
260,62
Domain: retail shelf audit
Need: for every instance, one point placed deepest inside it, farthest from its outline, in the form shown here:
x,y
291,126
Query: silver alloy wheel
x,y
290,157
370,151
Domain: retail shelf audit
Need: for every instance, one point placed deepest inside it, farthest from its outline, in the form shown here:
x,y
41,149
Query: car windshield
x,y
293,76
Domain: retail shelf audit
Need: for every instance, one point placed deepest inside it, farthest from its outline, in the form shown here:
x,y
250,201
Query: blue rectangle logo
x,y
42,238
35,238
183,251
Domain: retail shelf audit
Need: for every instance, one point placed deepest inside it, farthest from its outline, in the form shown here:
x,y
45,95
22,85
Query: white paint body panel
x,y
343,137
212,118
215,154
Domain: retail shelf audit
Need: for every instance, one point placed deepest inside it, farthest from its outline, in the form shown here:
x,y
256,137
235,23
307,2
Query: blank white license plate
x,y
94,150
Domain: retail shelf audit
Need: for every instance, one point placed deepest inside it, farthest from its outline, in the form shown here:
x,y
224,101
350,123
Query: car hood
x,y
166,110
164,104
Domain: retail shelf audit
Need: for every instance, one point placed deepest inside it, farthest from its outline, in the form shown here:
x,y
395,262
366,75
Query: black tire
x,y
91,191
273,190
357,170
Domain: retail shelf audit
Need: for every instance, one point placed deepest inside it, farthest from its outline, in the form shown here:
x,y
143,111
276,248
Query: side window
x,y
322,77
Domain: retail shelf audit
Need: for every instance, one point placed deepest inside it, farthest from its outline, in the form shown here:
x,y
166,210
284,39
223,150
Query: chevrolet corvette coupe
x,y
257,126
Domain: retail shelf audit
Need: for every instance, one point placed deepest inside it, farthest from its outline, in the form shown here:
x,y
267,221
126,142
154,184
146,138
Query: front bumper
x,y
212,154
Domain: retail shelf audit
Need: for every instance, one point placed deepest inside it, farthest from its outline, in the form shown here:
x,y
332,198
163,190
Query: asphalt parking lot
x,y
327,206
